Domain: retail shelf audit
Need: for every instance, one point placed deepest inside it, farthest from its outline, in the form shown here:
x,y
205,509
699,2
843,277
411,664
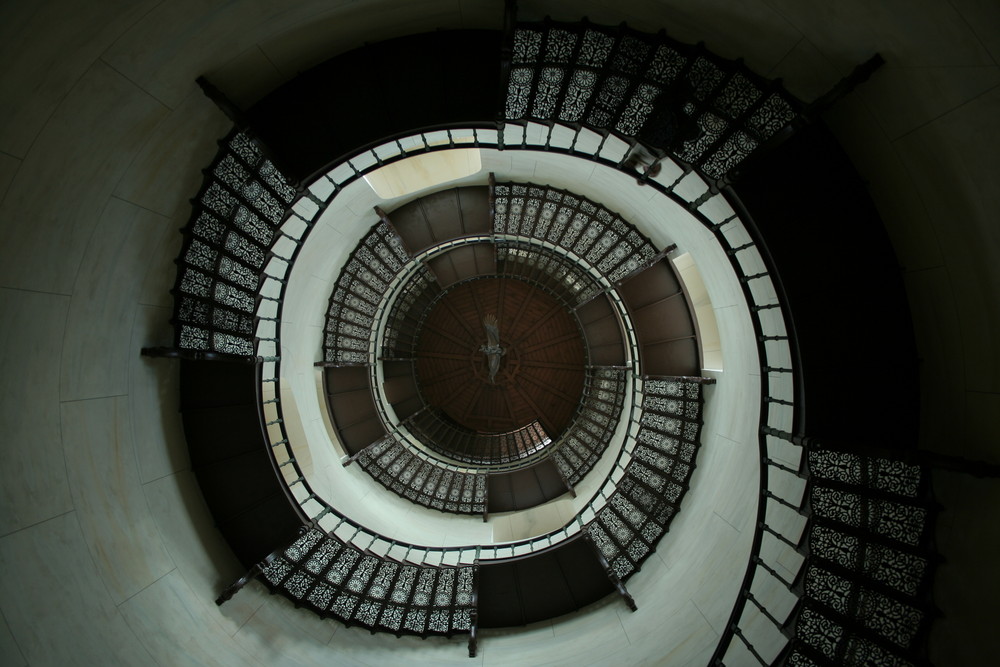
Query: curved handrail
x,y
375,157
552,137
799,416
262,421
778,331
384,312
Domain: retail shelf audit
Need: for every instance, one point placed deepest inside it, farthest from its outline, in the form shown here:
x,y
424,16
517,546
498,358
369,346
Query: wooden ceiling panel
x,y
540,374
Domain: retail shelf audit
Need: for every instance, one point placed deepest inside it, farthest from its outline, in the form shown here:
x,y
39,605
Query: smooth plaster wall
x,y
108,554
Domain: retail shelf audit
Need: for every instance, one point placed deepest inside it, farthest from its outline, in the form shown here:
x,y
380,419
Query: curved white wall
x,y
349,217
107,553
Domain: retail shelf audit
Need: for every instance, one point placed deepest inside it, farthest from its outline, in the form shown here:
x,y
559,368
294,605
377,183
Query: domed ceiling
x,y
532,371
500,348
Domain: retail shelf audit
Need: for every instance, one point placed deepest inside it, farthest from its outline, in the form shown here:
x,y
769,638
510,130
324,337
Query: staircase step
x,y
588,230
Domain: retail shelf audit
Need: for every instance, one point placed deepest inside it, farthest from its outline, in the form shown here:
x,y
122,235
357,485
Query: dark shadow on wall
x,y
844,289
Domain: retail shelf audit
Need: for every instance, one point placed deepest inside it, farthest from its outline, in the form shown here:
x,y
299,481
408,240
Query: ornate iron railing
x,y
236,219
648,495
574,224
304,212
609,152
785,613
408,431
389,461
675,98
335,579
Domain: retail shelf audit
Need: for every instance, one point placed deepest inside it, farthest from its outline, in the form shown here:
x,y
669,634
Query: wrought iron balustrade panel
x,y
333,579
403,324
866,585
650,492
601,237
227,244
594,427
358,294
680,99
404,473
567,281
439,434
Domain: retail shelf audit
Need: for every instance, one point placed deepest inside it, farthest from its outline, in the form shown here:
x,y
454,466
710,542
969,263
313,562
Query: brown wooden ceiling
x,y
540,377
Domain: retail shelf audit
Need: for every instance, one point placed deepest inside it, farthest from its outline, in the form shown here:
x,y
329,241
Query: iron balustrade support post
x,y
354,457
548,135
486,502
612,577
781,501
256,570
739,633
322,513
793,586
271,254
801,546
604,138
767,306
745,246
861,73
800,472
577,129
491,198
686,171
755,276
232,111
781,625
778,401
713,189
798,440
308,194
237,586
722,223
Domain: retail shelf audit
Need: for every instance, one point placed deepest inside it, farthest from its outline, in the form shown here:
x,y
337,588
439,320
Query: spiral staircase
x,y
855,511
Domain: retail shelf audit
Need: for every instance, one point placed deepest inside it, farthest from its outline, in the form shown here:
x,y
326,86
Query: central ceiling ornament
x,y
492,348
498,353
